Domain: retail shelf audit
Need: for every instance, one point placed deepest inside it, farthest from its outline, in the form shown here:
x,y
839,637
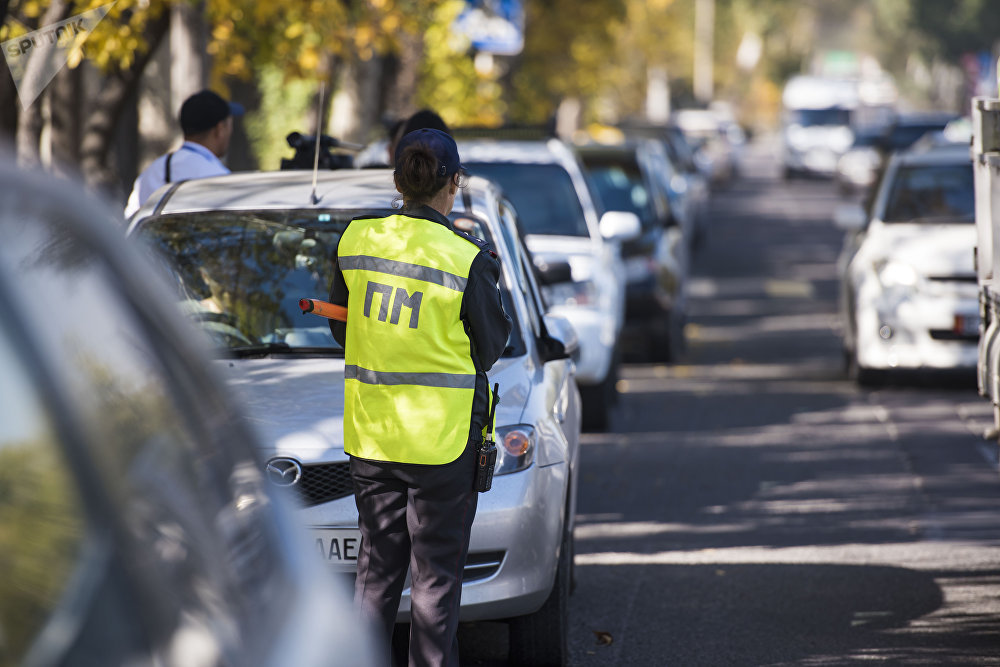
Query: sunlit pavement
x,y
753,507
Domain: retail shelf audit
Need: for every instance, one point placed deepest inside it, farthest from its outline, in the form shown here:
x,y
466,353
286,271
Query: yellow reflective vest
x,y
409,377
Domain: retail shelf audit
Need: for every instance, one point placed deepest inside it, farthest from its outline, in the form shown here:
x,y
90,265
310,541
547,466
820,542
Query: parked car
x,y
544,180
688,187
245,248
716,139
908,286
860,167
816,124
136,526
629,176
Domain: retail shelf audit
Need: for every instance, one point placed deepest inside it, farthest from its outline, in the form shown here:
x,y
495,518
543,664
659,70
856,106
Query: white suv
x,y
545,182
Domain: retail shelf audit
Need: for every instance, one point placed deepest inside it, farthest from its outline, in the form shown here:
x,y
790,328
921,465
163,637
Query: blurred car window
x,y
543,194
829,116
942,193
621,188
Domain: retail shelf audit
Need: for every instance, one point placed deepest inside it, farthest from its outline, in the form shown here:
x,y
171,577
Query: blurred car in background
x,y
629,176
717,141
136,527
859,167
816,124
909,297
244,248
688,187
544,181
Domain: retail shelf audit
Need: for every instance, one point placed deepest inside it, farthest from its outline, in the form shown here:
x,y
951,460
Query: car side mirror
x,y
850,217
553,273
620,226
559,339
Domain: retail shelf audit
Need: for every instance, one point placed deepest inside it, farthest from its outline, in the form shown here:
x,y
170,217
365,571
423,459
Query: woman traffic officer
x,y
425,325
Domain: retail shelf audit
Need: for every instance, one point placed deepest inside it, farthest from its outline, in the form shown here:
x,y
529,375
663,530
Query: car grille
x,y
478,566
482,565
953,279
323,482
948,334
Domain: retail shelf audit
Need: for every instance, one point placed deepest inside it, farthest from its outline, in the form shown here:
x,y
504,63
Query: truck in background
x,y
986,166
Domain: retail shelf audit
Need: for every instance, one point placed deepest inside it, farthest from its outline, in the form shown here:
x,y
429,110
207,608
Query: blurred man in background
x,y
207,123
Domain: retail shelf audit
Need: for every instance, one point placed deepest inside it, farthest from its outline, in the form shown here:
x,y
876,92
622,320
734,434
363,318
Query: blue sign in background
x,y
493,26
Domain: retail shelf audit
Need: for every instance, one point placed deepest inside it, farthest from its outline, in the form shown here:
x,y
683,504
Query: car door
x,y
563,401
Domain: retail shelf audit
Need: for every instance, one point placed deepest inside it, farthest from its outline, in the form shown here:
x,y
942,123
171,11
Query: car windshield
x,y
240,275
620,186
543,194
941,193
829,116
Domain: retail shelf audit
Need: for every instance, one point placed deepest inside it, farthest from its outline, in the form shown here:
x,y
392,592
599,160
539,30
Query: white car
x,y
545,181
908,286
245,248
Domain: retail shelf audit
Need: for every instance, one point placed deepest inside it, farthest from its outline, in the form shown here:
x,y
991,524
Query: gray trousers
x,y
418,516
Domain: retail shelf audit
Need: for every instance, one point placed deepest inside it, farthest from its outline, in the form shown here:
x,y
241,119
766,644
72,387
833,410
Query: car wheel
x,y
863,376
539,639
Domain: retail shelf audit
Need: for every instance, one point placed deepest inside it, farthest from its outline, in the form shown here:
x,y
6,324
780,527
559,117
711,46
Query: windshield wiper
x,y
265,349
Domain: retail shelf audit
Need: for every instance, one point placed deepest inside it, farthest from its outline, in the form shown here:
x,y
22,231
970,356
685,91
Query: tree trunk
x,y
30,119
66,101
108,106
400,99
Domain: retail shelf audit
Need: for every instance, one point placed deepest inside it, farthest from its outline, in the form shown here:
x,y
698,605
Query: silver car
x,y
243,249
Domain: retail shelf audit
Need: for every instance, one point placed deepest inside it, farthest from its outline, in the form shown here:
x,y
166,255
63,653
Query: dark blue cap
x,y
440,143
204,110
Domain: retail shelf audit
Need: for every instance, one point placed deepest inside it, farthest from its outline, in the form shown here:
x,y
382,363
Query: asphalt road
x,y
751,506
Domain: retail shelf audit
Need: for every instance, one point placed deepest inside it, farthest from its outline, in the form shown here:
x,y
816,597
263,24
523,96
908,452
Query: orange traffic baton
x,y
325,309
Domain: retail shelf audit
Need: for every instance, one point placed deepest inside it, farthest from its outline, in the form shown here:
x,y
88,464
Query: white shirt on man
x,y
191,160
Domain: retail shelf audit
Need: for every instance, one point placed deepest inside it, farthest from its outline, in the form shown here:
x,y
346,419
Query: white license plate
x,y
338,546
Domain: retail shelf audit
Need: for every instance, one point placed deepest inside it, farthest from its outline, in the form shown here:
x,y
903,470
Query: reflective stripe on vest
x,y
409,378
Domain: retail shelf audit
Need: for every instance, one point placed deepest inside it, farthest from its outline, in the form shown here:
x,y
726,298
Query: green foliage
x,y
450,83
284,108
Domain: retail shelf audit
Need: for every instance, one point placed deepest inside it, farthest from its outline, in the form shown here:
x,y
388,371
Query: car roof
x,y
341,188
523,151
935,154
921,118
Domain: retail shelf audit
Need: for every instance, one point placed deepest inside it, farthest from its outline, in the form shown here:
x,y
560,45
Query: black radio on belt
x,y
486,453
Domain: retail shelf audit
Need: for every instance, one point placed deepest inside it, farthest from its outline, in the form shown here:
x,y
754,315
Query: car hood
x,y
297,405
934,250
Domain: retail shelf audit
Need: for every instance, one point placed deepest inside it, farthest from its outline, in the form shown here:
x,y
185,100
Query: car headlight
x,y
515,448
893,274
582,293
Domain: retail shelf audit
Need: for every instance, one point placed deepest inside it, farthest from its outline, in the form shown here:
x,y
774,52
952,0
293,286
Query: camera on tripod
x,y
305,152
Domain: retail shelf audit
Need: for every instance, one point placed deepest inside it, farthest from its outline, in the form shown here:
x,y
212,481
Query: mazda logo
x,y
283,471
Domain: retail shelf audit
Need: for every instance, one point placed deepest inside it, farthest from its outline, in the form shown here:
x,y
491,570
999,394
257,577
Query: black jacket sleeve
x,y
338,296
487,323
